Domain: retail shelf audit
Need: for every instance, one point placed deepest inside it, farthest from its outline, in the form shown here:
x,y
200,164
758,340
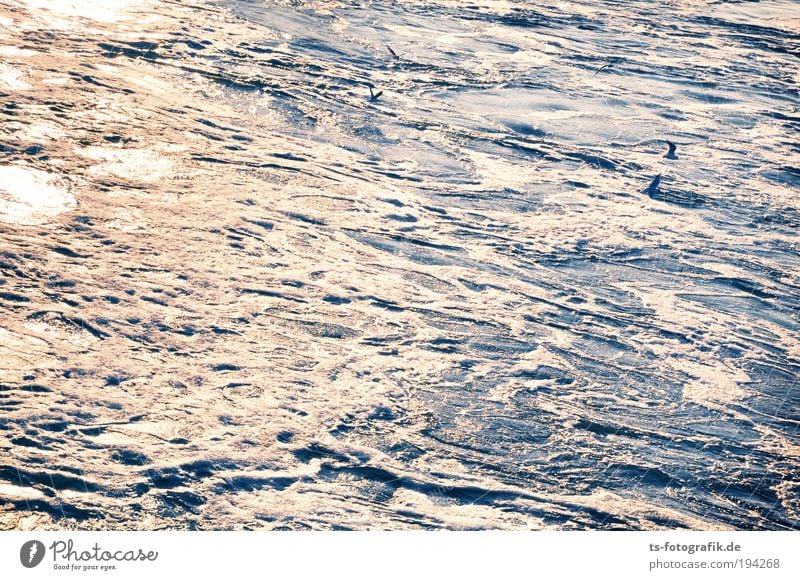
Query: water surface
x,y
238,292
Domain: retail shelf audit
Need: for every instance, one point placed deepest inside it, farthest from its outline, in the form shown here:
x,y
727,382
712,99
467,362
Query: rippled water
x,y
238,292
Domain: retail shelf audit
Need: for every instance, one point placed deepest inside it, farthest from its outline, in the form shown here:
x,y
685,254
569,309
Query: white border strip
x,y
388,555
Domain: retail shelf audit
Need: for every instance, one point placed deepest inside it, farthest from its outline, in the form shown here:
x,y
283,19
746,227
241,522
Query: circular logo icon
x,y
31,553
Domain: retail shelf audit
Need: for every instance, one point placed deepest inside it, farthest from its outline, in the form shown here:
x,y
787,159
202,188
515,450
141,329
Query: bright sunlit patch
x,y
36,132
59,80
30,196
138,164
19,493
16,51
12,79
100,10
713,385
